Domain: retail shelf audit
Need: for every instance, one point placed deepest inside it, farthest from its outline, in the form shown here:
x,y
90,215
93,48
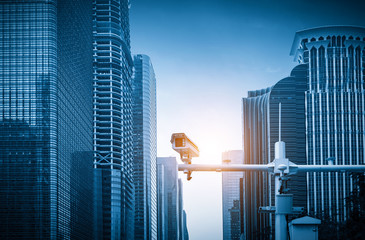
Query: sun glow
x,y
214,131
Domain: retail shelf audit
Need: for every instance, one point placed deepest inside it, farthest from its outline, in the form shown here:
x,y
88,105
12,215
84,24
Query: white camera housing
x,y
183,145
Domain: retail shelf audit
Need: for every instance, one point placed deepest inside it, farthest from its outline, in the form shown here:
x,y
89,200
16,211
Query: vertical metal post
x,y
280,227
280,219
284,206
279,122
281,201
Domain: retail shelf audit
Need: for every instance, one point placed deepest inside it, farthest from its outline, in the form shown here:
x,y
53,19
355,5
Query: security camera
x,y
183,145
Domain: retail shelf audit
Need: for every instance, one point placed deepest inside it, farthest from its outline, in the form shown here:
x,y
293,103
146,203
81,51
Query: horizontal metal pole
x,y
269,168
331,168
226,168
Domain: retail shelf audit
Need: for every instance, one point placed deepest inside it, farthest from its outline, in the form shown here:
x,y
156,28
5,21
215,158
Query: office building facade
x,y
335,111
167,204
161,203
46,119
181,221
113,124
145,149
260,132
230,194
235,220
185,226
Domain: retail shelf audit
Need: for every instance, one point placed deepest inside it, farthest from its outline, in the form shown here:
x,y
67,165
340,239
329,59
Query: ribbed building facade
x,y
46,119
230,194
185,226
260,132
335,111
180,201
145,147
161,203
113,124
167,204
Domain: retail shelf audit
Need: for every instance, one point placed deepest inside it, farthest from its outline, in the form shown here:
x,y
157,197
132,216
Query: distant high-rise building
x,y
180,209
335,111
46,119
242,208
113,125
235,220
185,226
145,149
230,194
161,203
167,203
260,132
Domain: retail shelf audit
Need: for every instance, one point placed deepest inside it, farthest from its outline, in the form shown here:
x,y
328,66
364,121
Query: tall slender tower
x,y
113,126
180,209
185,226
335,111
46,119
231,193
167,205
145,149
161,202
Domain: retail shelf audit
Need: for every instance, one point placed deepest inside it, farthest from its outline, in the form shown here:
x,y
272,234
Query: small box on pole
x,y
304,228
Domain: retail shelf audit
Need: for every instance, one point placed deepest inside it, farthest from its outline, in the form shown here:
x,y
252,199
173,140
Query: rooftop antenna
x,y
279,122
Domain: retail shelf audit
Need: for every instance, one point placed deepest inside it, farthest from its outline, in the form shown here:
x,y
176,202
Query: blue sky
x,y
207,54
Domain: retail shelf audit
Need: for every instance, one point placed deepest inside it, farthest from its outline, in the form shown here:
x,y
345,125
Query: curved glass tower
x,y
145,149
260,132
335,110
113,133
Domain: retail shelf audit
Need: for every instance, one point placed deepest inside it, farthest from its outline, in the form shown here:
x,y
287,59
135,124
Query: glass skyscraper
x,y
45,119
231,193
161,203
113,133
168,211
185,226
145,149
260,132
335,111
182,223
